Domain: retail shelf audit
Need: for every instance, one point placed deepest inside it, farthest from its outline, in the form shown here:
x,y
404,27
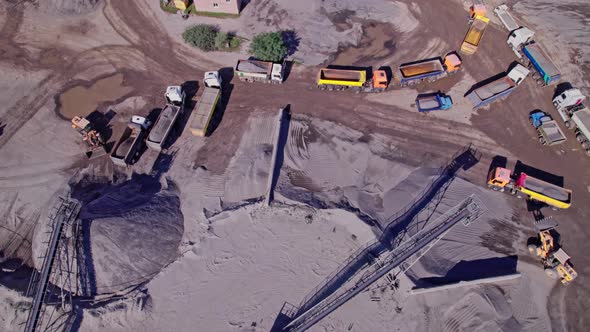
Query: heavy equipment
x,y
356,79
499,88
474,34
90,135
502,179
556,261
415,72
547,128
507,20
433,102
127,148
575,115
175,97
259,71
201,117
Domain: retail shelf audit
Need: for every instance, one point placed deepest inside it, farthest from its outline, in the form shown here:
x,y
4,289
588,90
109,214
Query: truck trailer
x,y
128,146
163,126
502,179
575,115
206,105
259,71
507,20
356,80
547,72
474,34
430,69
497,89
548,130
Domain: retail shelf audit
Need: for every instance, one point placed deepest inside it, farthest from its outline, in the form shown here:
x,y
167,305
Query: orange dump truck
x,y
341,79
411,73
502,179
474,34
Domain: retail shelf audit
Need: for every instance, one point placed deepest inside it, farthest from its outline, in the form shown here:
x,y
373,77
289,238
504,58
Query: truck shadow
x,y
561,88
220,109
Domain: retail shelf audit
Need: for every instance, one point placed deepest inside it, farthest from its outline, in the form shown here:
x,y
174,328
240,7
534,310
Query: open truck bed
x,y
542,63
551,132
489,92
507,20
420,70
545,192
128,145
474,34
163,127
204,111
331,76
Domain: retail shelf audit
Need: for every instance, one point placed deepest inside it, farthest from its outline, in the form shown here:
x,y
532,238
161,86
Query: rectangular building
x,y
219,6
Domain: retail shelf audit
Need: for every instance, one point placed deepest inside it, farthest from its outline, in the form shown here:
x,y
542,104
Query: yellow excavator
x,y
91,136
555,259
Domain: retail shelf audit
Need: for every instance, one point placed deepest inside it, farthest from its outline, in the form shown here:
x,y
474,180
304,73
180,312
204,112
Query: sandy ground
x,y
343,151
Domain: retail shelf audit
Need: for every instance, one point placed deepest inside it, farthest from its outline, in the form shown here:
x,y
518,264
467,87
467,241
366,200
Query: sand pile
x,y
131,231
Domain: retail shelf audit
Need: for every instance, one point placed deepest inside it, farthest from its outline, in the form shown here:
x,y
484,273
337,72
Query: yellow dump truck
x,y
502,179
474,34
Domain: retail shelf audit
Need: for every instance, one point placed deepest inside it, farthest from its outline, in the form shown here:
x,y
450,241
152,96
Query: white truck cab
x,y
570,97
518,38
140,120
175,95
518,73
212,79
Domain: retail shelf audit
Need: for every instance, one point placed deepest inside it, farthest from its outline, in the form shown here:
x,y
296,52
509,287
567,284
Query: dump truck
x,y
259,71
430,69
474,34
502,179
548,130
201,117
175,97
575,115
556,262
507,20
356,80
499,88
547,72
128,147
433,102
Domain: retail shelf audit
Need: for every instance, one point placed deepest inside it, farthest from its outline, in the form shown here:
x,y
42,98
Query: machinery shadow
x,y
281,143
472,270
220,109
394,232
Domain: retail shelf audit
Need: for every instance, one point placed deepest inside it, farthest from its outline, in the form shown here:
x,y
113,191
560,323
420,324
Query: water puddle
x,y
81,101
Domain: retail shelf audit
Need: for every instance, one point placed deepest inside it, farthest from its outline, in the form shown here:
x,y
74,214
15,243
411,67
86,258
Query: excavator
x,y
91,136
555,260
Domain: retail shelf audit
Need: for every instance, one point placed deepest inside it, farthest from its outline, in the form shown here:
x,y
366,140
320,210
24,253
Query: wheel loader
x,y
555,260
89,135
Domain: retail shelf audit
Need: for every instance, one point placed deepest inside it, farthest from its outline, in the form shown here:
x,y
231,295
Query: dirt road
x,y
149,60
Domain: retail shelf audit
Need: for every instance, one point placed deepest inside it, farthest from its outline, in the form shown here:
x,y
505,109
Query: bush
x,y
269,46
202,36
221,40
234,42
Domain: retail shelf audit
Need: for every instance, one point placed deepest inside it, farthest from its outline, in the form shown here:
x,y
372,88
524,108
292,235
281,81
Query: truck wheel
x,y
551,272
532,249
580,138
588,152
542,141
586,145
495,188
569,125
540,82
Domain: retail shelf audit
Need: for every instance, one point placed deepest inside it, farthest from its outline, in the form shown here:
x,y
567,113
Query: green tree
x,y
201,36
269,46
221,40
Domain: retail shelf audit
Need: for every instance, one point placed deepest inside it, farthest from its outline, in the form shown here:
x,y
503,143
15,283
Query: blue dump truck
x,y
499,88
433,102
547,72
